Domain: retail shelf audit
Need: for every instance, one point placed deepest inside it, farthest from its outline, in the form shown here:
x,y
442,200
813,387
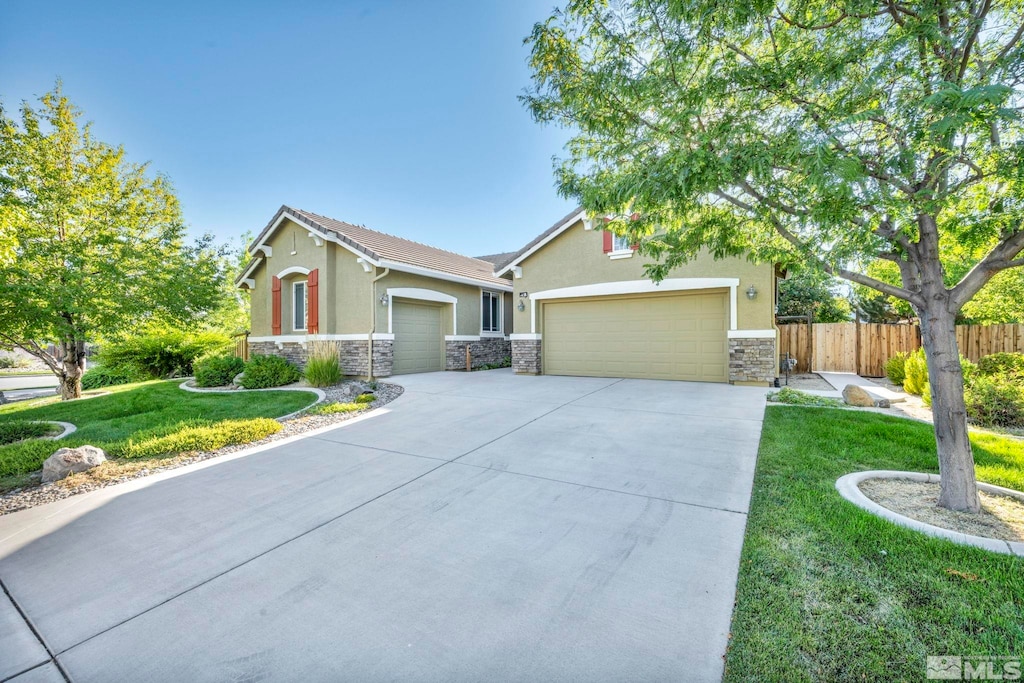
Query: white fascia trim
x,y
322,235
675,284
567,223
292,271
751,334
439,275
524,337
302,339
422,295
248,271
461,337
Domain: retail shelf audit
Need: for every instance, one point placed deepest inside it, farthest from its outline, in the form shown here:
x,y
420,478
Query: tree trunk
x,y
959,490
72,368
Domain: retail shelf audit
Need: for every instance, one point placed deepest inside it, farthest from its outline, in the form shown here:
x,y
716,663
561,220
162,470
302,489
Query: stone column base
x,y
354,359
485,351
752,361
526,356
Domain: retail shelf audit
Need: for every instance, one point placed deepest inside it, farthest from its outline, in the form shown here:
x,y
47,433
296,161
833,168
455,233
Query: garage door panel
x,y
418,341
660,337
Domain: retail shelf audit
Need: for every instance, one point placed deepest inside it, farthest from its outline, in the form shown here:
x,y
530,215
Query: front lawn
x,y
829,592
130,414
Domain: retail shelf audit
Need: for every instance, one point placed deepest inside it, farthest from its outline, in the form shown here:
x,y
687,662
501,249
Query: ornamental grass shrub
x,y
322,367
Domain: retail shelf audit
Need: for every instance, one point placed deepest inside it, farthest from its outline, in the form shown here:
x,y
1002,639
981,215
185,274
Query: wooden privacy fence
x,y
863,348
242,345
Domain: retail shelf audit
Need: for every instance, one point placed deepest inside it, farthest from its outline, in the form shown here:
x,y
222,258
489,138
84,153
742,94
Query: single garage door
x,y
680,337
419,346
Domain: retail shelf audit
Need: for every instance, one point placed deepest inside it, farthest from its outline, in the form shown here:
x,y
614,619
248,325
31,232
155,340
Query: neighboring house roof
x,y
496,258
540,240
383,250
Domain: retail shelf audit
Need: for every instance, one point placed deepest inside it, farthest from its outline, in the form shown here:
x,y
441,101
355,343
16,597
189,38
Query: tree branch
x,y
1001,257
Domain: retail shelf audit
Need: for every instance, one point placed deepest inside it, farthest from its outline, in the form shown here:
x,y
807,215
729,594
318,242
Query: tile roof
x,y
381,246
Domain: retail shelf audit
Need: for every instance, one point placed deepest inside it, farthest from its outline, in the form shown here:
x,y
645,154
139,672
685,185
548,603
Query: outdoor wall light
x,y
752,292
383,299
521,306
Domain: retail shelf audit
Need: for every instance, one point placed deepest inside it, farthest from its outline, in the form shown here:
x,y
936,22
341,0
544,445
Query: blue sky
x,y
397,114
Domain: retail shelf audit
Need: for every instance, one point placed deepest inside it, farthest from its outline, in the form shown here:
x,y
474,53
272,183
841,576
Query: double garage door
x,y
419,346
679,337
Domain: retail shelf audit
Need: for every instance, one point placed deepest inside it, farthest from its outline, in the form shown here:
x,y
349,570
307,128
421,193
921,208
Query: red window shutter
x,y
275,305
313,301
607,241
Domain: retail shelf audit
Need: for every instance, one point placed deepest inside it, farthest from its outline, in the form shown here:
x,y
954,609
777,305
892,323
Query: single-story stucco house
x,y
574,301
393,306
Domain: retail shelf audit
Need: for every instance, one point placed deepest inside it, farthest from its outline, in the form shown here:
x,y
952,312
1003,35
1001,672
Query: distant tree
x,y
99,247
832,133
231,312
811,292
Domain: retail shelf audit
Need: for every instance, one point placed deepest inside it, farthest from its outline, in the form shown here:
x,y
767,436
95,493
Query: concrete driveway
x,y
481,527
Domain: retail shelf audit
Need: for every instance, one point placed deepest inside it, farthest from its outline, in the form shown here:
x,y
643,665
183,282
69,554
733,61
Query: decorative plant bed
x,y
909,497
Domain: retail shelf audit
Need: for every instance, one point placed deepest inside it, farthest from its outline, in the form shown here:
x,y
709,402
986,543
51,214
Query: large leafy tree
x,y
809,291
98,246
832,133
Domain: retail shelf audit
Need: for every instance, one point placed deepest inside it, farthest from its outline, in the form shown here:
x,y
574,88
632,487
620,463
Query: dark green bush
x,y
1002,364
18,430
262,372
895,368
202,438
100,376
158,354
995,401
217,370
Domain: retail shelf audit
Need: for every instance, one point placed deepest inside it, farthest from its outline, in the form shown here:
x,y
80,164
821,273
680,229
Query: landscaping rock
x,y
69,460
881,403
857,396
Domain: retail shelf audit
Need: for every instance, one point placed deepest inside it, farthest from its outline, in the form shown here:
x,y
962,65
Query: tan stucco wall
x,y
341,280
468,300
576,257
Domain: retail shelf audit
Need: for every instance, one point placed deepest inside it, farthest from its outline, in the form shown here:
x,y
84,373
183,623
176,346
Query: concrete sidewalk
x,y
482,526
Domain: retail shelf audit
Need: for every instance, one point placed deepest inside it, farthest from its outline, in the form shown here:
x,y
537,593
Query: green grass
x,y
136,412
828,592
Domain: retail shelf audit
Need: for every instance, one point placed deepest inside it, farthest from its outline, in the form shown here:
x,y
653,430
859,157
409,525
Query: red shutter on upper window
x,y
607,241
313,296
275,305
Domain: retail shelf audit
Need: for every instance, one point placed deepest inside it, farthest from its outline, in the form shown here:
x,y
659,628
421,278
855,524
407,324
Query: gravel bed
x,y
37,493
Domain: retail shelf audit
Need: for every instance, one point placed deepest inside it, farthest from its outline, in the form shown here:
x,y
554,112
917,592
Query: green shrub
x,y
895,368
262,372
799,398
365,398
915,373
322,367
202,438
26,456
217,370
161,353
1002,364
100,376
9,362
18,430
335,407
995,401
372,385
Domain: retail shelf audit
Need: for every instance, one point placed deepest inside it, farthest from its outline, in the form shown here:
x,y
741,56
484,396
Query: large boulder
x,y
69,460
857,396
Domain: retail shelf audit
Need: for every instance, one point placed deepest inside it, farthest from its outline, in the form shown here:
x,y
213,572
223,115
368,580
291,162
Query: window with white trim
x,y
490,308
299,306
620,243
